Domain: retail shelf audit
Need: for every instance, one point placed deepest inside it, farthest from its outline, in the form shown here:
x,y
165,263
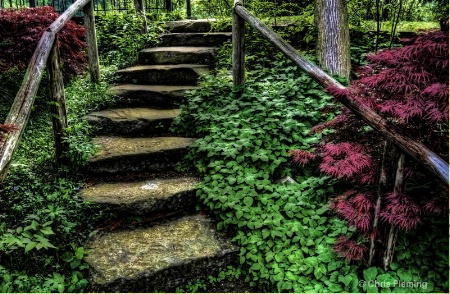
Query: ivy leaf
x,y
404,275
30,246
370,274
248,201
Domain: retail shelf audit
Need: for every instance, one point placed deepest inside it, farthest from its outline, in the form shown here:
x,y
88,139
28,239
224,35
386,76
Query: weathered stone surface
x,y
190,26
158,96
119,154
195,39
179,74
145,196
177,55
133,121
160,257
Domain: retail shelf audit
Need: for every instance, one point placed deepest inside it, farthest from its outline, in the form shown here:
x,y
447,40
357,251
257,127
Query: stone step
x,y
195,39
161,257
120,154
192,26
144,197
132,121
157,96
179,74
177,55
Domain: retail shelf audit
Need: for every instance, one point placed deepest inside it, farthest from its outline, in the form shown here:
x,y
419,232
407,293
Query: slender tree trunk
x,y
333,40
377,36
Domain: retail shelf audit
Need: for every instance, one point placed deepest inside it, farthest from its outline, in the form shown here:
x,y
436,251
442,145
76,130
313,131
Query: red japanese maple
x,y
22,29
409,87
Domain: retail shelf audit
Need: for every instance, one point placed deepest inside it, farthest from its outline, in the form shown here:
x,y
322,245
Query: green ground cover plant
x,y
285,229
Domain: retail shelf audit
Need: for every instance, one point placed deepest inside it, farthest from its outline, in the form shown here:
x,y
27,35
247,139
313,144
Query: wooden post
x,y
140,9
188,9
238,48
393,230
58,103
91,38
386,184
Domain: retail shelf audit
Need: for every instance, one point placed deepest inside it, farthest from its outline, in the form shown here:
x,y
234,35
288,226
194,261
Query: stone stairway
x,y
134,172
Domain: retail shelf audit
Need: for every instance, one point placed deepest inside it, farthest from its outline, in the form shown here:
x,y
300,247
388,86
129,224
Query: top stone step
x,y
192,26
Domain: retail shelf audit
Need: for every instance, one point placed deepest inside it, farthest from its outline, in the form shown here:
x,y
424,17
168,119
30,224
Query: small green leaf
x,y
47,231
248,201
30,246
370,274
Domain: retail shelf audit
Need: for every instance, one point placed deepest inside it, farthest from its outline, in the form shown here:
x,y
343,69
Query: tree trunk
x,y
333,40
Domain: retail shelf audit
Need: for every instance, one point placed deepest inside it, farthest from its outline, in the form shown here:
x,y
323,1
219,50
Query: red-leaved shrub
x,y
21,30
409,86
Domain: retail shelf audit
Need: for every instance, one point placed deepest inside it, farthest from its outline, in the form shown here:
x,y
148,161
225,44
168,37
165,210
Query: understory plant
x,y
282,224
44,223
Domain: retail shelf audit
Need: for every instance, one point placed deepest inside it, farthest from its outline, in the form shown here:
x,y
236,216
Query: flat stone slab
x,y
157,96
133,121
121,154
160,257
195,39
178,74
145,196
177,55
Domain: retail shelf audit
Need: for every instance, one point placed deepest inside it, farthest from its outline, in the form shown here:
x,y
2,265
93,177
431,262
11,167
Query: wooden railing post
x,y
58,103
385,185
238,48
188,9
91,38
391,238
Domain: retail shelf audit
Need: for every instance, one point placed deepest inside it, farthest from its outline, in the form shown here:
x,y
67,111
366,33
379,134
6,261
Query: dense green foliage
x,y
120,39
285,230
44,224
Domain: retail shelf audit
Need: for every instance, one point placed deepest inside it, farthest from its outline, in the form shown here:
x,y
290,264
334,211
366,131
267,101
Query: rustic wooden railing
x,y
47,55
391,177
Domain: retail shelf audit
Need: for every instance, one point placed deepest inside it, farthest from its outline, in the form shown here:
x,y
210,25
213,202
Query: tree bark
x,y
58,103
139,5
333,40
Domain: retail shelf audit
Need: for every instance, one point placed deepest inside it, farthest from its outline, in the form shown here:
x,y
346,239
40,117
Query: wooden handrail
x,y
430,160
23,102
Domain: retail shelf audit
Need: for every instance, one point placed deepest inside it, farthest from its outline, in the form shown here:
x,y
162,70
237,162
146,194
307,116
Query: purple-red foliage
x,y
350,249
345,161
408,86
402,211
21,30
356,208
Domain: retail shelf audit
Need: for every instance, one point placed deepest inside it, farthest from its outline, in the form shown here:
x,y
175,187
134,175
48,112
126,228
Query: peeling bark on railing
x,y
59,23
21,108
417,150
57,101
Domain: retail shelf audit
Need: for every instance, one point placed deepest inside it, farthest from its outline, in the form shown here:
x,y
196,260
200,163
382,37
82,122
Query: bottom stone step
x,y
160,258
